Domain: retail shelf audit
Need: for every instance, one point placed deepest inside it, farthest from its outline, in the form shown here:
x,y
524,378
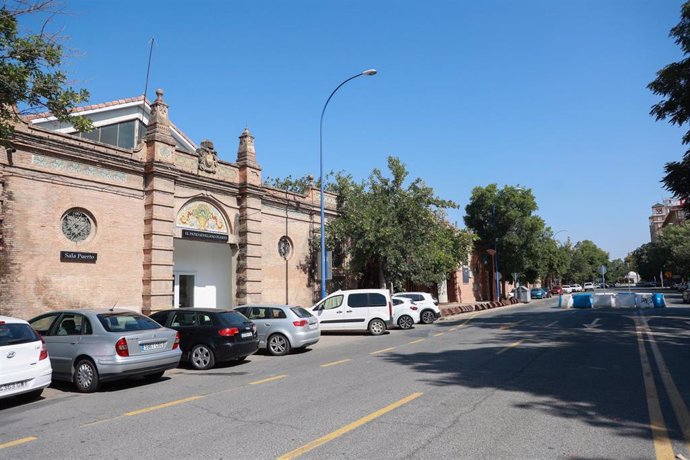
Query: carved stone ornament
x,y
208,157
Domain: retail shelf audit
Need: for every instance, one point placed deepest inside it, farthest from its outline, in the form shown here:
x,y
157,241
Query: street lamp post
x,y
323,211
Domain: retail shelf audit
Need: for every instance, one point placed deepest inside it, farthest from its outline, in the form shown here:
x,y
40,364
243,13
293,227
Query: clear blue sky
x,y
547,94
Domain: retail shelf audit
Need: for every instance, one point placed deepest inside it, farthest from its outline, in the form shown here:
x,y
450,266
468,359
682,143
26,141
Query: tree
x,y
390,234
649,260
30,79
586,259
673,84
504,218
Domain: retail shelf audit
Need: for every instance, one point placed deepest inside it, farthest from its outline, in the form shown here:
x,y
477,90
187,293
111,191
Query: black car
x,y
210,335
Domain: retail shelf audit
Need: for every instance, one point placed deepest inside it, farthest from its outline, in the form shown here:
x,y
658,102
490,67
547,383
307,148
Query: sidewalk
x,y
456,308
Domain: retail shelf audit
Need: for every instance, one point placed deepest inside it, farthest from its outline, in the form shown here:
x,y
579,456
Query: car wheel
x,y
86,376
377,327
278,345
155,376
427,317
202,357
405,322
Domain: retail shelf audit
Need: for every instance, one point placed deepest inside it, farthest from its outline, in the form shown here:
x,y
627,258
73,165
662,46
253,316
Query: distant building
x,y
670,212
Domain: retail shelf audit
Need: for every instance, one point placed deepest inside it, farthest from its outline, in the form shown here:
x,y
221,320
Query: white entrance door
x,y
203,274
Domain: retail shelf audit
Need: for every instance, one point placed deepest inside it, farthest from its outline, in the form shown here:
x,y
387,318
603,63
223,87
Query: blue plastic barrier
x,y
658,300
583,300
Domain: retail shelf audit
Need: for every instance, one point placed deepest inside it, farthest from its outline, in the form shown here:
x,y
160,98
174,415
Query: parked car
x,y
428,306
576,287
588,286
357,309
556,290
24,362
405,313
282,327
538,293
88,347
210,335
686,296
567,289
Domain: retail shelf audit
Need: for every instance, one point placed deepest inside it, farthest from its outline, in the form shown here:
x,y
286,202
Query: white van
x,y
357,309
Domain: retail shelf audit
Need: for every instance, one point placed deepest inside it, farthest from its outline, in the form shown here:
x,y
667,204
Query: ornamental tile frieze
x,y
77,168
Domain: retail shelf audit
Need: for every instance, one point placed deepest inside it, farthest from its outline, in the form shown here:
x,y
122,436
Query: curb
x,y
459,309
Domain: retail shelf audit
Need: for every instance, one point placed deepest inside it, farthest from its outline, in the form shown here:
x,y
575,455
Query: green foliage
x,y
394,233
616,271
673,84
28,72
670,252
504,218
297,185
587,257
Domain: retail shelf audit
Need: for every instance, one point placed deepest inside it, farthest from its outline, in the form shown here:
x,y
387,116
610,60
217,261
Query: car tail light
x,y
390,308
300,323
176,343
44,351
229,331
121,347
2,322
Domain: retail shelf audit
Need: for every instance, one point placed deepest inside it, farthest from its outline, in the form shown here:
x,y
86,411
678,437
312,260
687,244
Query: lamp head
x,y
369,72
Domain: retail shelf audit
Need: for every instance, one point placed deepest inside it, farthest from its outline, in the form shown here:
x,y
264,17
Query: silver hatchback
x,y
88,347
282,327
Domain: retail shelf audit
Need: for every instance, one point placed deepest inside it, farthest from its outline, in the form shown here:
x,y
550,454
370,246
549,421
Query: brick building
x,y
135,214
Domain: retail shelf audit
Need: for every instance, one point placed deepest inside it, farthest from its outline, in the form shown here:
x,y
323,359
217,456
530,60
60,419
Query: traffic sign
x,y
602,270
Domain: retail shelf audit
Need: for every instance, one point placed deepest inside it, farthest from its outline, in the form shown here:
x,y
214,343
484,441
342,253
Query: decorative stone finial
x,y
159,94
246,154
159,125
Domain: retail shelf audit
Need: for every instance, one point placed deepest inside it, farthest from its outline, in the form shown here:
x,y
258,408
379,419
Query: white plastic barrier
x,y
565,301
605,299
625,299
644,300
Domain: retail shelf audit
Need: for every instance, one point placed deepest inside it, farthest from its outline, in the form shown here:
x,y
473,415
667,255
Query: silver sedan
x,y
88,347
282,327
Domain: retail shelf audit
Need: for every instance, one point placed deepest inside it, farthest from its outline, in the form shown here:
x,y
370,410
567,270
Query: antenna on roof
x,y
113,307
148,66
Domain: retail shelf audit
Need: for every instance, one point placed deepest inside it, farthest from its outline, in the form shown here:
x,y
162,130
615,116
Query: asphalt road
x,y
528,381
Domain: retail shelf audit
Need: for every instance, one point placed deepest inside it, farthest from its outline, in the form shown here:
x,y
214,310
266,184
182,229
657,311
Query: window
x,y
119,134
182,318
258,313
205,319
358,300
397,301
285,247
332,302
377,300
12,334
301,312
277,313
76,225
120,322
70,324
42,323
161,317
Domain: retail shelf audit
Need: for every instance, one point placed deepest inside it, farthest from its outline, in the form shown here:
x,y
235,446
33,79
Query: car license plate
x,y
12,386
152,346
246,334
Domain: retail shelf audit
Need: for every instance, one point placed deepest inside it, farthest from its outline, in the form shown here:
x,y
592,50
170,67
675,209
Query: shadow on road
x,y
568,365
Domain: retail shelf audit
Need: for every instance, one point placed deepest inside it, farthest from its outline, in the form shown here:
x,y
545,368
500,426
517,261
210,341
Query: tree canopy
x,y
392,232
586,259
669,253
673,84
30,79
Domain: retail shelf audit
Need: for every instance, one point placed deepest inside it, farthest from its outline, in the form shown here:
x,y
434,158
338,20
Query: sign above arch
x,y
203,216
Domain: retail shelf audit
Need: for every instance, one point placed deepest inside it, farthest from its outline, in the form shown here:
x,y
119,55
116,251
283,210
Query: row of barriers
x,y
612,299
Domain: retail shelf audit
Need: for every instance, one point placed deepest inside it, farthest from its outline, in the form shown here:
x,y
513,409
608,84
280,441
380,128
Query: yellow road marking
x,y
452,329
662,444
679,407
512,345
466,321
509,325
18,442
436,335
161,406
418,340
270,379
382,351
336,362
347,428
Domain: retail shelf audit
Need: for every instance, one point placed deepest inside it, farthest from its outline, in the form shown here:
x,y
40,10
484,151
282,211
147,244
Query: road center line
x,y
512,345
270,379
17,442
382,351
161,406
347,428
438,334
452,329
417,341
334,363
552,324
662,444
679,407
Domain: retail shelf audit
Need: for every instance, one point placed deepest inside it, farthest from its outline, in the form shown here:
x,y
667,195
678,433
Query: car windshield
x,y
12,334
122,322
301,312
233,317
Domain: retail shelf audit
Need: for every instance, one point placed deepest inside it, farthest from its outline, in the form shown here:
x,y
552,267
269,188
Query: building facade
x,y
135,214
669,212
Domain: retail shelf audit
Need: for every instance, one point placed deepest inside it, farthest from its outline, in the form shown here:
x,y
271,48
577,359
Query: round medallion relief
x,y
285,247
77,225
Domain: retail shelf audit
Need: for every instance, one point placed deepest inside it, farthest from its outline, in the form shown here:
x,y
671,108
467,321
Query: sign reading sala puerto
x,y
83,257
